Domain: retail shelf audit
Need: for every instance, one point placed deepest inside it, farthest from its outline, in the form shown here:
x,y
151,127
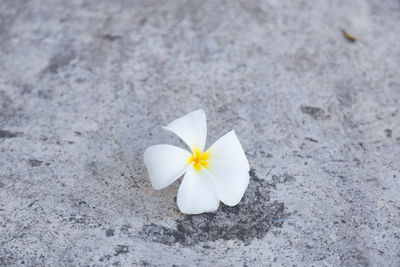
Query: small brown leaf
x,y
348,36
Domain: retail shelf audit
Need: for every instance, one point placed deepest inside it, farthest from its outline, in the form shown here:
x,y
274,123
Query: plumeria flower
x,y
221,173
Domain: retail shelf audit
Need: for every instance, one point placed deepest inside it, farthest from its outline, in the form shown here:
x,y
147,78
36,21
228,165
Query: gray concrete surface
x,y
85,87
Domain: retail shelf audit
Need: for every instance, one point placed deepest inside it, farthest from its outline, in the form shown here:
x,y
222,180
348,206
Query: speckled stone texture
x,y
85,87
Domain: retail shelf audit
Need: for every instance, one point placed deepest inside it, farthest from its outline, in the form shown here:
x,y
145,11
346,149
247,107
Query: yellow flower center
x,y
199,159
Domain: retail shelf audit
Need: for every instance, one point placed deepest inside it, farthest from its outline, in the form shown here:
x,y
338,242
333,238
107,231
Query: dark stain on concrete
x,y
32,203
251,219
388,133
45,93
121,249
283,179
353,257
110,232
60,60
105,257
34,162
26,89
142,21
311,139
111,37
8,134
315,112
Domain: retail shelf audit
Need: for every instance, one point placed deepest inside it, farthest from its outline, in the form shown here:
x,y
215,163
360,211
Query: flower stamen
x,y
199,159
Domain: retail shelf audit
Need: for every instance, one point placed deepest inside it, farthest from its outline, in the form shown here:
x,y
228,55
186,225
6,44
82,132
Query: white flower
x,y
219,173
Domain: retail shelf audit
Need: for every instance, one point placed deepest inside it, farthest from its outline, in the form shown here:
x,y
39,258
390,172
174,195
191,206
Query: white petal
x,y
229,148
191,128
165,163
197,193
230,180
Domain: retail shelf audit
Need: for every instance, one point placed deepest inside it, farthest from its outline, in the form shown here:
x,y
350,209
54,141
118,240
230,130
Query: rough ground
x,y
85,87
